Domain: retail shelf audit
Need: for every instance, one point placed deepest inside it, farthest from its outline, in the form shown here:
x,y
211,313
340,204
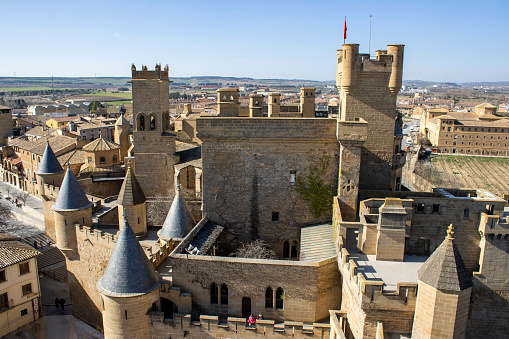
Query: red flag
x,y
344,37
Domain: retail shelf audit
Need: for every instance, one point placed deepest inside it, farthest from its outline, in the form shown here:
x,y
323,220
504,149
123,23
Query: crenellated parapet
x,y
351,63
157,73
183,324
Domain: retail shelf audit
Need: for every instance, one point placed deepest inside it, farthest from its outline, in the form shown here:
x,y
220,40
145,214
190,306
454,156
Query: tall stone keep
x,y
443,298
368,90
154,142
131,204
129,289
5,124
49,176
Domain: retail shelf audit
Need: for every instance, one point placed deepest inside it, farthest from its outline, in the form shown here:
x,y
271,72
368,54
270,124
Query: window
x,y
420,207
280,296
294,249
269,298
114,158
4,300
286,249
24,268
142,123
24,312
102,160
152,122
436,209
26,289
275,216
89,159
466,213
293,175
224,294
2,276
213,294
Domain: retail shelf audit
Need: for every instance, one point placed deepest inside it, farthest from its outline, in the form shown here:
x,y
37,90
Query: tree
x,y
257,249
94,106
22,197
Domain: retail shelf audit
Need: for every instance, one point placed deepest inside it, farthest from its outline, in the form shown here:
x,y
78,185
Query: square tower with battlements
x,y
368,89
154,144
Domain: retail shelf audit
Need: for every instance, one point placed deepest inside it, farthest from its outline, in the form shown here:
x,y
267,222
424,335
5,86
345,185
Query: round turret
x,y
71,207
397,67
349,74
127,297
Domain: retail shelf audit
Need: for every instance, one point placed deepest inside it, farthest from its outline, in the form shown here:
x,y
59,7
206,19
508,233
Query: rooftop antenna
x,y
369,44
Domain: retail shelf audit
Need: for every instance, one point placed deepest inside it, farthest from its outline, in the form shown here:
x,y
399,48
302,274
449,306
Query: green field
x,y
109,94
118,103
32,88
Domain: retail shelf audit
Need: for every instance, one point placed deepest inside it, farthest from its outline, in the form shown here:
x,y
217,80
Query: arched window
x,y
286,249
152,122
294,253
115,158
280,296
213,294
142,122
269,298
224,294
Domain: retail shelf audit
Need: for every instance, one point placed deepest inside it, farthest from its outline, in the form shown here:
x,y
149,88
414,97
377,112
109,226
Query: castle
x,y
356,257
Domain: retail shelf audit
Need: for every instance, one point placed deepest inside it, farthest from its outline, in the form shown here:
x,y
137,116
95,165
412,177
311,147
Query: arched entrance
x,y
168,307
246,307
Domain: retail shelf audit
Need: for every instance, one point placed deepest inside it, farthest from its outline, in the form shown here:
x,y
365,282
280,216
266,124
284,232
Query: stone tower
x,y
179,220
131,204
368,90
127,297
307,102
228,102
49,175
274,105
154,144
122,136
256,105
5,124
71,207
443,298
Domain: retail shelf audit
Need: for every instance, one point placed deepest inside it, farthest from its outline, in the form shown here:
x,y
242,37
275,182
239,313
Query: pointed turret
x,y
443,298
131,203
49,163
71,196
129,287
71,207
121,121
179,220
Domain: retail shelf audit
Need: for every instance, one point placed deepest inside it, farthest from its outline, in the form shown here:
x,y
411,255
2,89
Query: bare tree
x,y
257,249
22,197
8,189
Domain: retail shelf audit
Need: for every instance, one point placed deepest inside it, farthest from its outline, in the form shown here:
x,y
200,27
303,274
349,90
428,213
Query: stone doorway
x,y
246,307
168,307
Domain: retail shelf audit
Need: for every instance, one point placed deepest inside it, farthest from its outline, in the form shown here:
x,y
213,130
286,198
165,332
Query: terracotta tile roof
x,y
38,131
76,156
100,145
131,192
13,251
486,105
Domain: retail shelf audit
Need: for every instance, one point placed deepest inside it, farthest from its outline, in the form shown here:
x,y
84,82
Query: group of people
x,y
60,302
251,320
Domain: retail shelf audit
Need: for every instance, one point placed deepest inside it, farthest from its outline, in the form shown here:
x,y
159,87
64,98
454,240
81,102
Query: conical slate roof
x,y
49,163
129,272
444,269
131,192
179,220
71,196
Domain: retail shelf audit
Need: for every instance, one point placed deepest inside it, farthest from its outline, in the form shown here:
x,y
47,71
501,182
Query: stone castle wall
x,y
247,167
310,289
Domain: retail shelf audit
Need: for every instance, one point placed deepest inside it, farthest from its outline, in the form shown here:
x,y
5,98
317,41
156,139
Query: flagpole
x,y
370,35
344,32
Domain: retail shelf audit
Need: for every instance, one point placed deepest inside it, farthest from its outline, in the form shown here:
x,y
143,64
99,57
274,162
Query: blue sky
x,y
445,40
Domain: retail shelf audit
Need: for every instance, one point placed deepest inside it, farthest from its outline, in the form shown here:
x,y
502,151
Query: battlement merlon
x,y
351,63
145,74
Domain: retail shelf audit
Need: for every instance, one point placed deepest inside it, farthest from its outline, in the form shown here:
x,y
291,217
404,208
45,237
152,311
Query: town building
x,y
20,298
